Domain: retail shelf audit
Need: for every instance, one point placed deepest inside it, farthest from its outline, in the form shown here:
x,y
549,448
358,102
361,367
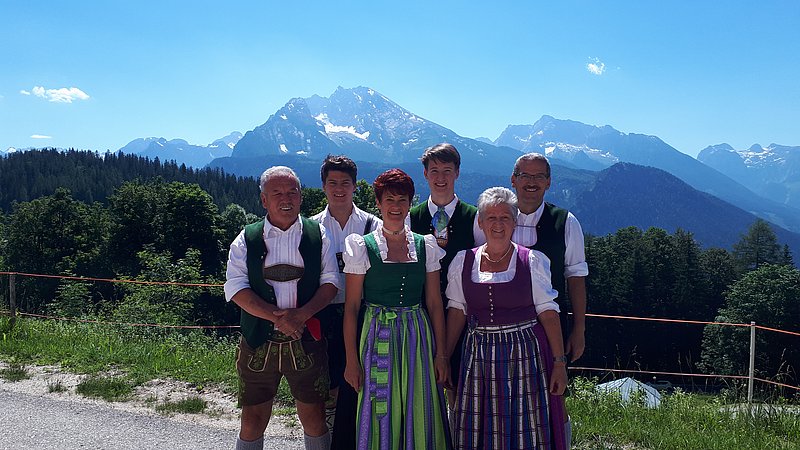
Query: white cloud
x,y
61,95
596,66
40,136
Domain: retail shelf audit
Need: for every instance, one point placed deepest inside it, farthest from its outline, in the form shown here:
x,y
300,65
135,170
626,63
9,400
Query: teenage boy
x,y
452,221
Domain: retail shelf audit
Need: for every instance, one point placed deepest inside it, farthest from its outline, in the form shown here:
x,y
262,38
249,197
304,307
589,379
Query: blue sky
x,y
96,75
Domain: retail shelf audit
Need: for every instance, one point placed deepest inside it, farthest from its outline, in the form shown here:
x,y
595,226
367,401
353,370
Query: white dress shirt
x,y
543,293
450,208
336,235
282,248
356,259
574,257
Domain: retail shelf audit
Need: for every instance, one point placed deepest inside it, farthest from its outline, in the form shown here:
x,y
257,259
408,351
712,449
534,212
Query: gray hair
x,y
276,171
532,157
495,196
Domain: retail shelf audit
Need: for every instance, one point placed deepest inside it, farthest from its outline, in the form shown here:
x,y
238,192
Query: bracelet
x,y
442,357
562,359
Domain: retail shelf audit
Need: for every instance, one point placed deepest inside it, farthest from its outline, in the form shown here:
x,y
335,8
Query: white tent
x,y
627,387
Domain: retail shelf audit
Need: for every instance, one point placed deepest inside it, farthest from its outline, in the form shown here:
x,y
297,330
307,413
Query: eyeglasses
x,y
531,176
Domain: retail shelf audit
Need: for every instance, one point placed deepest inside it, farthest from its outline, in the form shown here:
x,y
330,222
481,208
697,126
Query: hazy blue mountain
x,y
772,172
587,147
565,140
367,126
632,195
620,196
181,151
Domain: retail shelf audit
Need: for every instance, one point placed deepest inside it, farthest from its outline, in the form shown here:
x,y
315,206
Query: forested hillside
x,y
92,176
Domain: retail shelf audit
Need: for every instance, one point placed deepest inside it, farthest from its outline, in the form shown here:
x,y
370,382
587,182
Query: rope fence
x,y
751,378
110,280
103,322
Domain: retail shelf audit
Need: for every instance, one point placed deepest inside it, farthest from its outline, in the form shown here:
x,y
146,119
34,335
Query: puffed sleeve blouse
x,y
356,260
543,293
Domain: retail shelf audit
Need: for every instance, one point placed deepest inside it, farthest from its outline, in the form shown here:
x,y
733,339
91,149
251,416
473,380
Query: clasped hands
x,y
290,322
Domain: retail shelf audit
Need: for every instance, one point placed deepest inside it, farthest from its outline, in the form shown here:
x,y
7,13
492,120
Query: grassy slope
x,y
601,421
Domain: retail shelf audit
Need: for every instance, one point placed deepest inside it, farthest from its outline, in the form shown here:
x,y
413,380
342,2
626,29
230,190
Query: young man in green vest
x,y
556,233
452,221
282,273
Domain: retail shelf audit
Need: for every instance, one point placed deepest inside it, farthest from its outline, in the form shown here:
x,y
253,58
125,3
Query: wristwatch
x,y
562,358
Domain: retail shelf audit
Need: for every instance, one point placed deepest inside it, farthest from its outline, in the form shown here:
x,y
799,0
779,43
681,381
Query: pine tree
x,y
758,247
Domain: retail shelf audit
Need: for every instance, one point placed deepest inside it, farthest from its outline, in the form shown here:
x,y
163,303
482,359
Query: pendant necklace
x,y
393,233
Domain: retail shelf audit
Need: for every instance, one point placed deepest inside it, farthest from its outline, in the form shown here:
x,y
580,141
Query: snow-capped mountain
x,y
773,171
370,128
181,151
566,140
365,125
591,147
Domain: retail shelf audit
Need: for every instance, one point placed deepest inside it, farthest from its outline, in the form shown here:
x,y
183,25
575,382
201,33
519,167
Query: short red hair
x,y
395,181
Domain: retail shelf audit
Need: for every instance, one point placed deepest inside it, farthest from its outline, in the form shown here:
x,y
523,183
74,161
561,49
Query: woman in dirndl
x,y
398,363
502,291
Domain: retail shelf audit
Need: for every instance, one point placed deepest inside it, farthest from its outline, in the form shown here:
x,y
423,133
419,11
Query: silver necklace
x,y
486,255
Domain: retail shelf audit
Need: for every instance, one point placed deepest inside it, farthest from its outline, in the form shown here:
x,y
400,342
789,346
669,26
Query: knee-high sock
x,y
318,443
258,444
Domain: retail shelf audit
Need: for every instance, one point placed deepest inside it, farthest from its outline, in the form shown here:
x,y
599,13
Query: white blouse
x,y
543,293
356,259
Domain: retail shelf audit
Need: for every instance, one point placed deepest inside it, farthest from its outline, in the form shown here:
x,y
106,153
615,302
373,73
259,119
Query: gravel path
x,y
33,418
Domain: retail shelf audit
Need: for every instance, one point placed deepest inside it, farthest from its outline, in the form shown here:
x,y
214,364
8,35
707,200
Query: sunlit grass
x,y
142,354
14,372
682,422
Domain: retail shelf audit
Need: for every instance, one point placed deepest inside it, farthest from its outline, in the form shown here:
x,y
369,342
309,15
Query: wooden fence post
x,y
12,297
751,375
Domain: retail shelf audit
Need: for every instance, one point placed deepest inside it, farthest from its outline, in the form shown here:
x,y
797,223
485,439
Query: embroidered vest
x,y
459,233
500,303
256,330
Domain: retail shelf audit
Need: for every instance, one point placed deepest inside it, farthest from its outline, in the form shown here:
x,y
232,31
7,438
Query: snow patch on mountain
x,y
331,128
567,152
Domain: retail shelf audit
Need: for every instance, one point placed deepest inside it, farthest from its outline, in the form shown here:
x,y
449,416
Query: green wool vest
x,y
459,232
394,284
256,330
550,241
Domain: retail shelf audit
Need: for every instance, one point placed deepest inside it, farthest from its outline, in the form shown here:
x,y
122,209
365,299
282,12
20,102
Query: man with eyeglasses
x,y
556,233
